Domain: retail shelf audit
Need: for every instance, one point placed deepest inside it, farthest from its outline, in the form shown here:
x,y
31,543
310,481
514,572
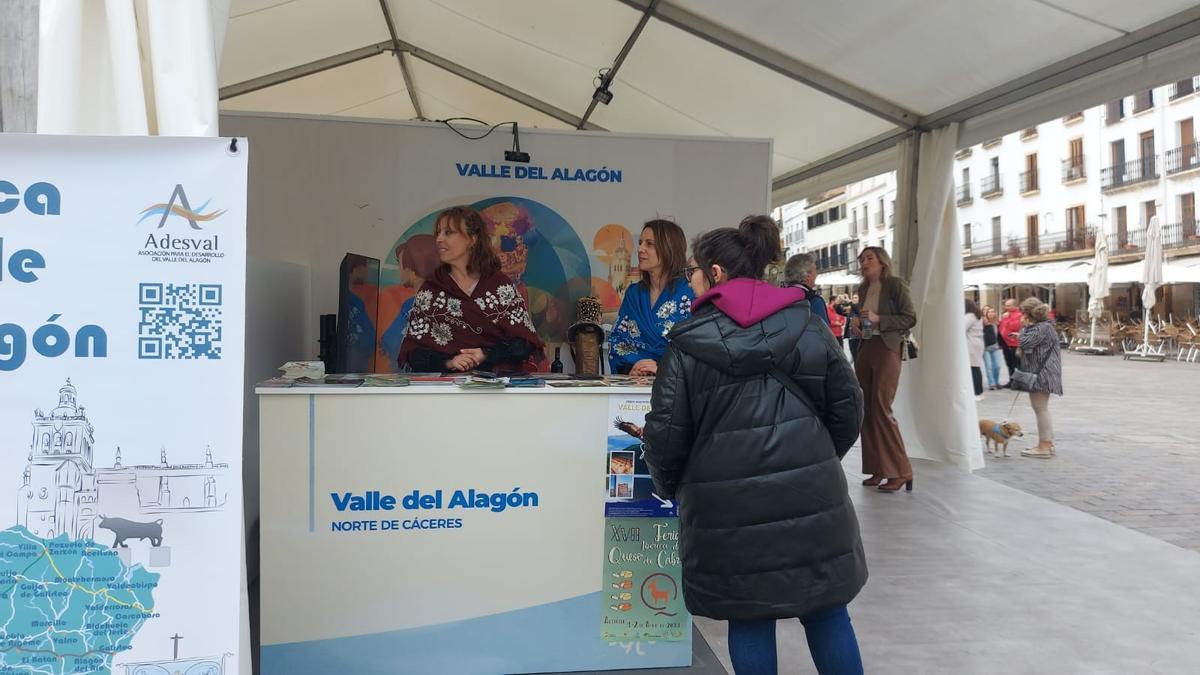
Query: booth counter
x,y
429,529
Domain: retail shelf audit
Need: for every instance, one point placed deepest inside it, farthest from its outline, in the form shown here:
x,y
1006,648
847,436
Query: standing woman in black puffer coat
x,y
753,409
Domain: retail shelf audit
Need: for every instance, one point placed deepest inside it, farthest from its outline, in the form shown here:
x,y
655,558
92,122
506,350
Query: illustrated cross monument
x,y
176,638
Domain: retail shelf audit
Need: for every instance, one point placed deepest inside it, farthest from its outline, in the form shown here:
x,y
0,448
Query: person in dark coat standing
x,y
800,271
753,409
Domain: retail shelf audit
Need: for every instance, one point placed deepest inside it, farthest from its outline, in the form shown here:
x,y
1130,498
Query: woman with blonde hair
x,y
884,319
1040,357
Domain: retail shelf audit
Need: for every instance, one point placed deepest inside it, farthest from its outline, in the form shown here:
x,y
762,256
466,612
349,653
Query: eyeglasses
x,y
689,271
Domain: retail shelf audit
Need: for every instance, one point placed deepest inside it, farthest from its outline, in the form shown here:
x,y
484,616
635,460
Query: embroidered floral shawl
x,y
444,319
641,330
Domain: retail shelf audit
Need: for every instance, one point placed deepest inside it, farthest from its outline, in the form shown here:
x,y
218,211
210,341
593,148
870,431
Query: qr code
x,y
179,321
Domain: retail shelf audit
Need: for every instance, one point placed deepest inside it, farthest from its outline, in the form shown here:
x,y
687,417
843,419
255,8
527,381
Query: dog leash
x,y
1013,406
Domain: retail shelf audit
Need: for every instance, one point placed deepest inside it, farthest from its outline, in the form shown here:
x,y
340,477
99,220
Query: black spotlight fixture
x,y
602,94
515,155
602,80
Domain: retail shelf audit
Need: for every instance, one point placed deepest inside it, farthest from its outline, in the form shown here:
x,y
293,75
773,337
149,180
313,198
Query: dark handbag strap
x,y
790,384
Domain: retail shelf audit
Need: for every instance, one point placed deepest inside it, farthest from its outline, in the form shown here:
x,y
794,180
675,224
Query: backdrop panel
x,y
565,224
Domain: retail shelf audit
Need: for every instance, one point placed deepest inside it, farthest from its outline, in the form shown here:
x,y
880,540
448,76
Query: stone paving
x,y
1126,434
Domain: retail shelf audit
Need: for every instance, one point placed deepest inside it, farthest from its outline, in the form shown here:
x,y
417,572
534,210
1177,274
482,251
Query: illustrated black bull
x,y
127,529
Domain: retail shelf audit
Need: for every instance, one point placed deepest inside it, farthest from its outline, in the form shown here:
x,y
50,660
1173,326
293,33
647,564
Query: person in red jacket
x,y
837,322
1010,330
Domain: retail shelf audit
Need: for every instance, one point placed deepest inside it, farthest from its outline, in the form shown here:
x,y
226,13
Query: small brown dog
x,y
997,434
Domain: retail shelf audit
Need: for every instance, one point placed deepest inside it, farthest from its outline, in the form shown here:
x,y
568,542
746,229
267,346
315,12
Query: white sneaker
x,y
979,398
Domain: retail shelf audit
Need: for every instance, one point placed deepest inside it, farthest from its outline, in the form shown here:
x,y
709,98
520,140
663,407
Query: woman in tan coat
x,y
886,316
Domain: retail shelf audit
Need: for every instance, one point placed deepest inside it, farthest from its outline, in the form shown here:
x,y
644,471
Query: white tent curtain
x,y
935,404
129,67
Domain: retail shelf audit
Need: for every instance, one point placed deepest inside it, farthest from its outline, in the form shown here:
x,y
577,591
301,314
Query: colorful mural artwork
x,y
538,250
614,248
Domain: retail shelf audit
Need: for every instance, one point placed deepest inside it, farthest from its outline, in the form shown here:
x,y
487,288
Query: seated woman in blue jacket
x,y
654,305
753,409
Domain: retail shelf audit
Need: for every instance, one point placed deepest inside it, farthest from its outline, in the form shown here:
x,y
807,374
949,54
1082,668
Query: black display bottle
x,y
557,365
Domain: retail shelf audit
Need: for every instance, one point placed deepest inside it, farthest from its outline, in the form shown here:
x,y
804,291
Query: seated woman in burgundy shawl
x,y
468,315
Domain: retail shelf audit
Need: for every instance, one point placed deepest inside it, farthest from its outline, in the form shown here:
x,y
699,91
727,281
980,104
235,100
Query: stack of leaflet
x,y
309,370
528,382
480,382
386,380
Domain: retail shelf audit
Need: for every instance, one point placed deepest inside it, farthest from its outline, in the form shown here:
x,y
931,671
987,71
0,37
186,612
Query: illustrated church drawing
x,y
622,275
62,492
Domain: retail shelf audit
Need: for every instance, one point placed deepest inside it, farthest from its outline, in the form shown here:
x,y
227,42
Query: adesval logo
x,y
178,205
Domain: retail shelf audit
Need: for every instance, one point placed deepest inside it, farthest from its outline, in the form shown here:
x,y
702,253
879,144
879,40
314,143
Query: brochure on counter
x,y
481,380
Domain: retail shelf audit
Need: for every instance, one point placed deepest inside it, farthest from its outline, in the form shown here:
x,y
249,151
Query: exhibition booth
x,y
150,284
511,530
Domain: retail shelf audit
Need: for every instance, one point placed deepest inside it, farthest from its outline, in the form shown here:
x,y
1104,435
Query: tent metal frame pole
x,y
912,235
19,66
303,70
867,148
500,88
328,63
404,70
611,74
779,62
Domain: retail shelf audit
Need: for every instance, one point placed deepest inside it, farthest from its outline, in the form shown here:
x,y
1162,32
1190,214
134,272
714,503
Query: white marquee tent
x,y
845,88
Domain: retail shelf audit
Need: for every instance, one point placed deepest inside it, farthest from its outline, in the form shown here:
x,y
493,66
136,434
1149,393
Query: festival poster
x,y
642,581
629,491
122,312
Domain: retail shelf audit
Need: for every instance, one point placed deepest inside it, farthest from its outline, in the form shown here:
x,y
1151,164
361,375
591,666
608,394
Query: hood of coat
x,y
749,301
744,327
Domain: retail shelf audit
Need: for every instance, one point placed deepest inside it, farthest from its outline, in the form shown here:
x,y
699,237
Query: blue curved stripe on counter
x,y
559,636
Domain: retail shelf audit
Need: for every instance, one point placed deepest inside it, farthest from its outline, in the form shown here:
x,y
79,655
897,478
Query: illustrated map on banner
x,y
122,286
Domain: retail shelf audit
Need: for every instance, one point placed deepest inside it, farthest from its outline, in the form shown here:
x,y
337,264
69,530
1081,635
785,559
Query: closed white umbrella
x,y
1098,282
1152,274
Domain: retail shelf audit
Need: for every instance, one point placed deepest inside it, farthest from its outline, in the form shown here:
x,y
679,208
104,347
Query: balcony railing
x,y
1133,240
984,248
1182,159
1072,169
1129,173
1174,235
964,194
1081,241
991,186
1181,234
1029,181
1183,88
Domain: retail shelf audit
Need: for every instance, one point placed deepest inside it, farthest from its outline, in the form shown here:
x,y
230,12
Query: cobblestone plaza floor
x,y
1127,445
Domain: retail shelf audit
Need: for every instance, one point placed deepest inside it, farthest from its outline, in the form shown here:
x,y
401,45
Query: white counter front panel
x,y
329,595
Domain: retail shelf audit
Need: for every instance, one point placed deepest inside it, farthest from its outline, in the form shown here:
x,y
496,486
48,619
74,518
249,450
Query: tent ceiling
x,y
928,54
819,78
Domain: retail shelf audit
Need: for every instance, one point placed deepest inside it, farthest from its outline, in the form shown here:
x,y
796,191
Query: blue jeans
x,y
831,642
991,362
